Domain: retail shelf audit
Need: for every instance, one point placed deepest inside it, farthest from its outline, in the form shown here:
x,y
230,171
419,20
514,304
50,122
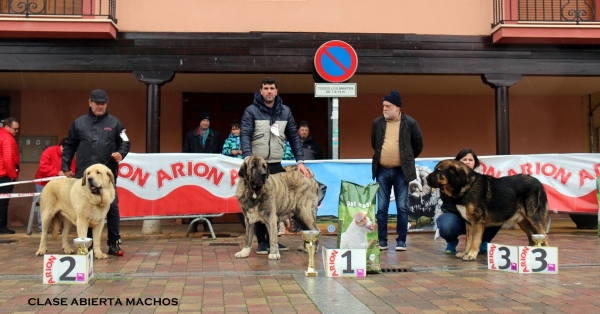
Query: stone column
x,y
153,80
500,83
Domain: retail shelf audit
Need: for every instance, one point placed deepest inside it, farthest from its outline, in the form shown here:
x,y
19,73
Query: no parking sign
x,y
336,61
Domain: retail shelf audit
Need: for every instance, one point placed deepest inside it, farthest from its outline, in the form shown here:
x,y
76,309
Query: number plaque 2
x,y
68,269
523,259
345,263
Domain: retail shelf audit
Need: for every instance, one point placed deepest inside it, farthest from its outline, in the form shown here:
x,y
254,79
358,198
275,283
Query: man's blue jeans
x,y
389,178
452,225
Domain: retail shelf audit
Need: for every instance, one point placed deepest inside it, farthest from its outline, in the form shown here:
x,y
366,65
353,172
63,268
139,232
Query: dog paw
x,y
100,255
470,257
68,250
275,256
243,253
40,252
302,248
460,254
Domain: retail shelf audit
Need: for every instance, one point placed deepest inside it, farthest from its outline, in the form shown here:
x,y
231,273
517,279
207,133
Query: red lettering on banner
x,y
127,171
177,170
585,175
490,171
204,171
491,256
141,179
216,178
526,168
234,175
161,175
49,265
512,172
188,169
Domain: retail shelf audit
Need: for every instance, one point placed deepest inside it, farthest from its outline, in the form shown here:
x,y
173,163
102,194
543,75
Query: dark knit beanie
x,y
394,98
204,115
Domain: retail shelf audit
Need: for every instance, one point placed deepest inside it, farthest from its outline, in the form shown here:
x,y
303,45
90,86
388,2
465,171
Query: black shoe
x,y
4,230
262,249
114,248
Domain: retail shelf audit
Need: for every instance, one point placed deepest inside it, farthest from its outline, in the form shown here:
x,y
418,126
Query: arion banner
x,y
181,184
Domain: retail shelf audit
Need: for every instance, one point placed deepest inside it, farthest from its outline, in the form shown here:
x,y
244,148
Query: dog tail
x,y
55,227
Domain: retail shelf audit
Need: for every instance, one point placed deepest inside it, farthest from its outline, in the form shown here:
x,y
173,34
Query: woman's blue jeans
x,y
452,225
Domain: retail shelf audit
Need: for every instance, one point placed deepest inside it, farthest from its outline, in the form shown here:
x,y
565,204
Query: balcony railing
x,y
60,8
577,11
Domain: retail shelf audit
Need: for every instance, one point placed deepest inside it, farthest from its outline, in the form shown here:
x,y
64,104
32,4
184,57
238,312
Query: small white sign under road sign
x,y
335,90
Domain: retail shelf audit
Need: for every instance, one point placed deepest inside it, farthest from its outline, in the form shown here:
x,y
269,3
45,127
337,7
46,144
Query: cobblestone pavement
x,y
200,274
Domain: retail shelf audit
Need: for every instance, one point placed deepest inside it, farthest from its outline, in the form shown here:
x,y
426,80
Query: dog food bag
x,y
357,228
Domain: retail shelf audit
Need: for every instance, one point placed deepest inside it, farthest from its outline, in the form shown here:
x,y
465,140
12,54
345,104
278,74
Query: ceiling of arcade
x,y
297,83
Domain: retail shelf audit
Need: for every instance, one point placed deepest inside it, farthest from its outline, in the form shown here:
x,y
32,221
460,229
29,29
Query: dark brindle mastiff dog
x,y
272,198
485,201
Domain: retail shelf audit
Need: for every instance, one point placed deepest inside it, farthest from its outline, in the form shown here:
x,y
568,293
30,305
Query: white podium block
x,y
503,257
68,269
538,259
345,263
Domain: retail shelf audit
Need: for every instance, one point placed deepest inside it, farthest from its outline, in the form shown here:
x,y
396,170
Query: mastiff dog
x,y
485,201
80,202
271,198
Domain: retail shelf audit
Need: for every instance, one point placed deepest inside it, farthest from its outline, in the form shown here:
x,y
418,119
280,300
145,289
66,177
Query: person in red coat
x,y
9,167
50,166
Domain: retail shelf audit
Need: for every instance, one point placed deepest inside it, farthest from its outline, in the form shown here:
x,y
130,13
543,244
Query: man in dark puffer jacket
x,y
98,138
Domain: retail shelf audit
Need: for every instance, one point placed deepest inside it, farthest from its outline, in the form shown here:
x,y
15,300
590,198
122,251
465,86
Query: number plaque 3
x,y
522,259
345,263
68,269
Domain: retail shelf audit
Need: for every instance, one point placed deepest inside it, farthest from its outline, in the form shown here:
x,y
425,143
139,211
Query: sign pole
x,y
333,104
335,62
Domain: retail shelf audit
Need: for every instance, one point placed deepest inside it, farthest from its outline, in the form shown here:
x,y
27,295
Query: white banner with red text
x,y
180,184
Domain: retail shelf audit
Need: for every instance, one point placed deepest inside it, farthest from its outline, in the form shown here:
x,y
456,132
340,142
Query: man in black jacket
x,y
203,139
397,140
312,150
98,137
264,124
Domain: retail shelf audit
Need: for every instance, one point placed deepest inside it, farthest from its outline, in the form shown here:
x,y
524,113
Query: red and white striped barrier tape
x,y
31,181
15,195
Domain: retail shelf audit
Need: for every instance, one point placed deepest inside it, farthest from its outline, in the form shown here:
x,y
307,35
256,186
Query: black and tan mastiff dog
x,y
485,201
270,198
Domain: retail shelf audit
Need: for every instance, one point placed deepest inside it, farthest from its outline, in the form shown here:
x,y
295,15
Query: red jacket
x,y
51,164
9,155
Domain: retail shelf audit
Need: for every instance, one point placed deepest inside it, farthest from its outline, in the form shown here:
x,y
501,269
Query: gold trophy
x,y
82,245
311,236
538,239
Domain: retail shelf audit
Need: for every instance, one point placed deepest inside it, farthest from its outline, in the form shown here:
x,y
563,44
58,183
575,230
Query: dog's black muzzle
x,y
93,188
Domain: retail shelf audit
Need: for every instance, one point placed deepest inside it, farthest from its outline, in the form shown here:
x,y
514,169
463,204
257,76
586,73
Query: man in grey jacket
x,y
397,140
264,124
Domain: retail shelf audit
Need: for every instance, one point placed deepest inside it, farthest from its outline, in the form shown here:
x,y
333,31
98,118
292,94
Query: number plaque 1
x,y
345,263
68,269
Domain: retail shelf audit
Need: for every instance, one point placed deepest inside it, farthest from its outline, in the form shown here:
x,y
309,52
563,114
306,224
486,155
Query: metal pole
x,y
334,127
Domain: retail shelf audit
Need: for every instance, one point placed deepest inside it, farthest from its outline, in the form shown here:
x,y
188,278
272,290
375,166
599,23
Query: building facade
x,y
500,76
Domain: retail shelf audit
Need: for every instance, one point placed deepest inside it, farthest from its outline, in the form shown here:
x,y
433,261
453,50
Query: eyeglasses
x,y
16,129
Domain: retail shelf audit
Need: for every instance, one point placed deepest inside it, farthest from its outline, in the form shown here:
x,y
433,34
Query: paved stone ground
x,y
209,279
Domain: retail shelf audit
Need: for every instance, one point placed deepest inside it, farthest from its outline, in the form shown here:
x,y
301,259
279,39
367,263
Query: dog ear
x,y
242,171
111,176
84,179
359,216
